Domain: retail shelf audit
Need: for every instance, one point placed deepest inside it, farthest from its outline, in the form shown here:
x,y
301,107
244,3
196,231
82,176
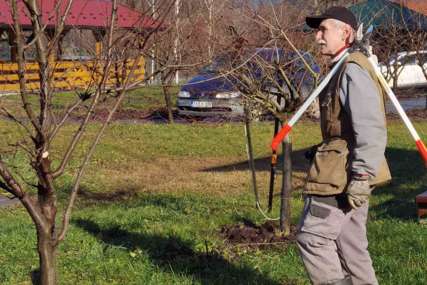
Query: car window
x,y
211,68
221,62
261,63
410,59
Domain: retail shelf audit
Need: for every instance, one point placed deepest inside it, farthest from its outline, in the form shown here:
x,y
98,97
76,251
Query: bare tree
x,y
417,42
387,44
417,39
399,30
177,48
321,5
273,73
113,73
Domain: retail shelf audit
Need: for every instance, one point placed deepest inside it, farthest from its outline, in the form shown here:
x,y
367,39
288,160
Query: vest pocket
x,y
328,173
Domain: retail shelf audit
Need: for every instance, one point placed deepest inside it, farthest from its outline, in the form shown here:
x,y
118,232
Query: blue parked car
x,y
214,92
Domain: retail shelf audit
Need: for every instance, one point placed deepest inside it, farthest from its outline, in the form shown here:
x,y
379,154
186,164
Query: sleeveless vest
x,y
329,173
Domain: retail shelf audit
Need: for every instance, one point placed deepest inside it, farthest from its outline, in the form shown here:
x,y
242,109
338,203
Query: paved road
x,y
4,201
407,104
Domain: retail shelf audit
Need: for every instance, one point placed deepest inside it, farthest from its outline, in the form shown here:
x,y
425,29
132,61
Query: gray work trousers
x,y
333,244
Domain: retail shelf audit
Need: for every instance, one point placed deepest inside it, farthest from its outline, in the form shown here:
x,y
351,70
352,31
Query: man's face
x,y
330,37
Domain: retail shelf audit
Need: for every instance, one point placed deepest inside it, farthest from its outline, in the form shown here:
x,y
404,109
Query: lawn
x,y
145,100
155,197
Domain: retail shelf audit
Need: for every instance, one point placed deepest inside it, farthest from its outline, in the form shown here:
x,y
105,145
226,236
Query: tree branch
x,y
101,86
19,122
59,27
21,69
58,125
13,187
74,192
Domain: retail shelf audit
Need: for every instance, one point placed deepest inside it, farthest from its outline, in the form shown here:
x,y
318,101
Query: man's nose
x,y
318,35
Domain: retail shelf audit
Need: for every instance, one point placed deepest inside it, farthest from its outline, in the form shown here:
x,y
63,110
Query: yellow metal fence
x,y
70,75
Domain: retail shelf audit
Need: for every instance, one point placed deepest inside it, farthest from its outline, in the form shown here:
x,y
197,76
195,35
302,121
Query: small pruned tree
x,y
110,74
273,76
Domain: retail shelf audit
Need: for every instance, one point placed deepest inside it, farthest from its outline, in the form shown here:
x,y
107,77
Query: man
x,y
347,165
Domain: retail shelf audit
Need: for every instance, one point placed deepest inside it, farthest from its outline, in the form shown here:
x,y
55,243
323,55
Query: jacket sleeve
x,y
361,101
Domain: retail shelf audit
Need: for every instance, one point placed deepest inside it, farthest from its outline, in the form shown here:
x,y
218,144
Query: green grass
x,y
156,196
144,99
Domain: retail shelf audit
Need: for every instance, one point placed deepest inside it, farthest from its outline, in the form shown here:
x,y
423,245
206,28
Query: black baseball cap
x,y
339,13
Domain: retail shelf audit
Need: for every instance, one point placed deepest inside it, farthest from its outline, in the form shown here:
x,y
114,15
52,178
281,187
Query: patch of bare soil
x,y
7,200
250,235
410,92
140,116
160,116
123,115
414,114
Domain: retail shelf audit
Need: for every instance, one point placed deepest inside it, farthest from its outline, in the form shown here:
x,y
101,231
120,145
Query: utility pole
x,y
177,39
153,49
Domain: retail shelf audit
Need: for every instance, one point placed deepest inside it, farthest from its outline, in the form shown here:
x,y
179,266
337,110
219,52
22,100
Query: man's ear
x,y
346,33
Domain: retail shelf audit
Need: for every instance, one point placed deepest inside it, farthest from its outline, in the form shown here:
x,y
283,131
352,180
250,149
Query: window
x,y
4,51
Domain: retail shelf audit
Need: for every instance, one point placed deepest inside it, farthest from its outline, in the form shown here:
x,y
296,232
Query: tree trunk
x,y
168,101
45,225
47,256
43,213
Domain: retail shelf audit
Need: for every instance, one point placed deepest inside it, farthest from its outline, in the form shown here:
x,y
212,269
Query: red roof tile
x,y
83,13
417,5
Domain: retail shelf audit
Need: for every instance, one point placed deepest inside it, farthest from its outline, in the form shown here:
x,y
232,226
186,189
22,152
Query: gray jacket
x,y
360,99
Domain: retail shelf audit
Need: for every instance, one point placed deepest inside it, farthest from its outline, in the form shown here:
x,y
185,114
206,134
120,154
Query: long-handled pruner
x,y
419,143
286,129
362,44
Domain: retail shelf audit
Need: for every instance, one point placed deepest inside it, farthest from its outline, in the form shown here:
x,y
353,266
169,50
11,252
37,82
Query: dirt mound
x,y
252,235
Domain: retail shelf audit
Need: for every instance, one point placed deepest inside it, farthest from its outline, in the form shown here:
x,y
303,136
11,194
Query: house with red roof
x,y
91,18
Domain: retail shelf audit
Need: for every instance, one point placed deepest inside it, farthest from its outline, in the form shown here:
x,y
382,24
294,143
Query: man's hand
x,y
358,191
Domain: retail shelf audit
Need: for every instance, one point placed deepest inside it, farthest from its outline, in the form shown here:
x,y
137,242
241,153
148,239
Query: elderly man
x,y
347,165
